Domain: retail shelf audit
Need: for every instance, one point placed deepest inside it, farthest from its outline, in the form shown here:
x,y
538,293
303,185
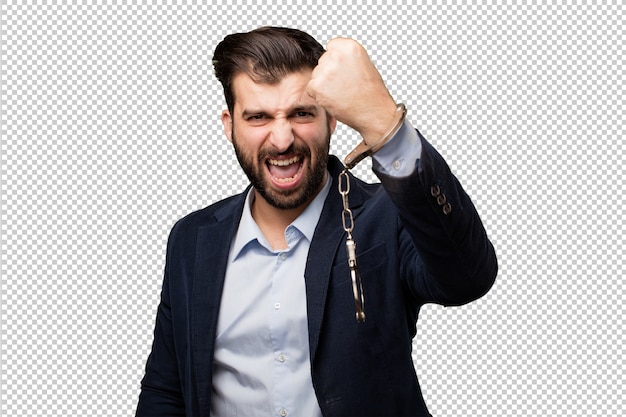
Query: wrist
x,y
379,124
364,149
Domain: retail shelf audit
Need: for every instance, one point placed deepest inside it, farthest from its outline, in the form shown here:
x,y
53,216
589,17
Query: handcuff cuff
x,y
350,161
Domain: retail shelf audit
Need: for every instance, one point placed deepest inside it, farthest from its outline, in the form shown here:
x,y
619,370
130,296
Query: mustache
x,y
292,150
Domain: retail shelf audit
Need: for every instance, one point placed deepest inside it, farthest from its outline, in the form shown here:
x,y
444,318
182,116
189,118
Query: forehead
x,y
289,92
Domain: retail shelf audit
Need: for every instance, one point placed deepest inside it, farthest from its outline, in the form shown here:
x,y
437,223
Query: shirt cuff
x,y
399,155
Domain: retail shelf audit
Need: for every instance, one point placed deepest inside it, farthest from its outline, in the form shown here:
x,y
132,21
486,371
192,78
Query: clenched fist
x,y
347,84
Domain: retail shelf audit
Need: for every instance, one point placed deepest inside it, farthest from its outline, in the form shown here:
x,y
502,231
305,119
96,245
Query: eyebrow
x,y
311,108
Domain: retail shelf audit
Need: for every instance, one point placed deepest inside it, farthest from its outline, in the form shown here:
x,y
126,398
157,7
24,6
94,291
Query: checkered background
x,y
110,133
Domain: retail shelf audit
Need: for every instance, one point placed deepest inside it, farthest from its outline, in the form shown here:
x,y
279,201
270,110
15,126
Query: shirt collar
x,y
248,231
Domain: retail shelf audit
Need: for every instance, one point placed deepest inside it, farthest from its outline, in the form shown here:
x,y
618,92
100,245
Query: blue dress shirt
x,y
261,365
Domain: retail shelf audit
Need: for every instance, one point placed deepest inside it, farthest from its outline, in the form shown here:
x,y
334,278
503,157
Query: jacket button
x,y
441,199
447,209
435,191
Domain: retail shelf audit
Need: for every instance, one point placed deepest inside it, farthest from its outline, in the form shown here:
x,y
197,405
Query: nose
x,y
281,135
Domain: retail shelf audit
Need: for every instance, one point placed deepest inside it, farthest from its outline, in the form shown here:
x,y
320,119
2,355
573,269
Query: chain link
x,y
346,215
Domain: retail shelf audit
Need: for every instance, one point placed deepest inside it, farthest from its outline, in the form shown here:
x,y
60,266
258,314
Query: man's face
x,y
281,138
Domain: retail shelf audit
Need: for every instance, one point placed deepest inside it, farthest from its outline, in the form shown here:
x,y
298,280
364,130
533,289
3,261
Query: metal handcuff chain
x,y
347,220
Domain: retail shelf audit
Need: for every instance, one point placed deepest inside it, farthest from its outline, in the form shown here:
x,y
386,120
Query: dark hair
x,y
266,55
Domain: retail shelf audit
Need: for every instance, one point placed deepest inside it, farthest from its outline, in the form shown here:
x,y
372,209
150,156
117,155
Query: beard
x,y
312,176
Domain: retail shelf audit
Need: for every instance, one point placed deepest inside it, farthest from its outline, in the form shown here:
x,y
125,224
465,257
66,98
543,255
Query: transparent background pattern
x,y
110,132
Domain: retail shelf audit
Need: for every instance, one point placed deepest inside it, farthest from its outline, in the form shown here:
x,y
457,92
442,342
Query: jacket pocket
x,y
368,261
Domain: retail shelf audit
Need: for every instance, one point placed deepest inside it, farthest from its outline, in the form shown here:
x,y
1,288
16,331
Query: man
x,y
257,313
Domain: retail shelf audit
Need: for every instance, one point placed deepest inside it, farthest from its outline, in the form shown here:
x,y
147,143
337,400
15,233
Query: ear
x,y
227,123
332,124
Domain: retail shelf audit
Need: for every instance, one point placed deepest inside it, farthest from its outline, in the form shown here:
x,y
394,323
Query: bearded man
x,y
257,312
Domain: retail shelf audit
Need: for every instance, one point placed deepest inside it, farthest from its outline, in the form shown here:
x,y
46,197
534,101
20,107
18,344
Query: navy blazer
x,y
419,240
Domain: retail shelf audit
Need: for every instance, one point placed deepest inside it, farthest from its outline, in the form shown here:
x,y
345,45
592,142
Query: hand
x,y
347,84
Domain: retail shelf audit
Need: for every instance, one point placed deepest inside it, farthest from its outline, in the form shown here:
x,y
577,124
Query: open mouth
x,y
285,171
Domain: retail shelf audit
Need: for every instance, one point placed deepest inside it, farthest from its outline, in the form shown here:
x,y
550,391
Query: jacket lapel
x,y
212,249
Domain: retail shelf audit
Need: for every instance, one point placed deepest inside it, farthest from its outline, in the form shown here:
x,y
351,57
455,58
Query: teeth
x,y
283,162
287,180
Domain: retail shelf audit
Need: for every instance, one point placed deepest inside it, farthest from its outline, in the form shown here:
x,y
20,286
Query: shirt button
x,y
276,306
397,164
282,358
283,256
282,412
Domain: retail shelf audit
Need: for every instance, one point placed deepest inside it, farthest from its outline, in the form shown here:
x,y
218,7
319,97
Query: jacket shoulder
x,y
216,212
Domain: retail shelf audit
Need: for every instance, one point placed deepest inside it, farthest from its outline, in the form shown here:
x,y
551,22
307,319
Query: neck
x,y
273,221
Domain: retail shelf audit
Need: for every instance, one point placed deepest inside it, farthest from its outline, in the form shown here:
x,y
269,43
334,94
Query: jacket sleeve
x,y
445,228
161,393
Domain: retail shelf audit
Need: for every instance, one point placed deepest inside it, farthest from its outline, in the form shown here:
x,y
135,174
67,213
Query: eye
x,y
303,115
258,119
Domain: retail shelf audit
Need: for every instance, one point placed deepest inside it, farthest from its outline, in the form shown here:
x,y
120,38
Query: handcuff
x,y
350,161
